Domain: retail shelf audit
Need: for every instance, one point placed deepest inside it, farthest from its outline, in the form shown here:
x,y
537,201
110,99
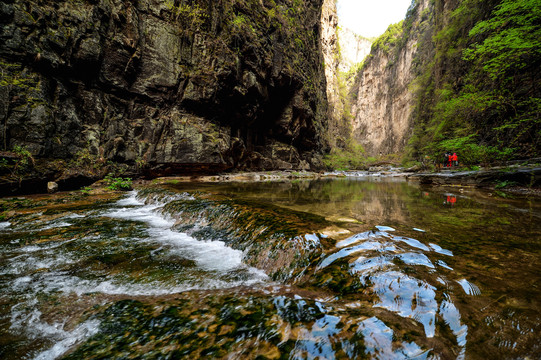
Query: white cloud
x,y
371,17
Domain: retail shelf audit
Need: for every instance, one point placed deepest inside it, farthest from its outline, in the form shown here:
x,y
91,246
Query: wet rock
x,y
527,177
52,187
122,283
279,241
413,169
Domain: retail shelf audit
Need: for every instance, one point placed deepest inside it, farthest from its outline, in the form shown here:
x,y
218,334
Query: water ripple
x,y
380,261
378,339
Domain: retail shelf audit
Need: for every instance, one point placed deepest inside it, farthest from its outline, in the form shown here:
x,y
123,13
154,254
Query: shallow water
x,y
346,268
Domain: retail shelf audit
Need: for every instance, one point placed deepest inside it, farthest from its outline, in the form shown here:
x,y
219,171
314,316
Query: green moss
x,y
191,17
389,38
21,84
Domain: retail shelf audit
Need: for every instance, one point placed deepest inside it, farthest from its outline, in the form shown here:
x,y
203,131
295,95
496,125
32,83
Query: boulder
x,y
52,187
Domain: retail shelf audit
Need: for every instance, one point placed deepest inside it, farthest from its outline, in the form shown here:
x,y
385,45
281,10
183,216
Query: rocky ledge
x,y
529,177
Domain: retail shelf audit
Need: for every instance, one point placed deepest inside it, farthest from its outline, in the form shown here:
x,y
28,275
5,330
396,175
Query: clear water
x,y
347,268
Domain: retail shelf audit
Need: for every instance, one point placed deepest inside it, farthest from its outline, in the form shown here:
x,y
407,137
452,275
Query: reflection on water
x,y
376,257
379,342
450,199
300,270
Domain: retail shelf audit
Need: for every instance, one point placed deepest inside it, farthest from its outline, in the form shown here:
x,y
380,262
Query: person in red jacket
x,y
454,159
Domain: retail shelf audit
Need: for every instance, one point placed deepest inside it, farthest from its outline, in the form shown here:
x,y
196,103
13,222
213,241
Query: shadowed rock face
x,y
202,86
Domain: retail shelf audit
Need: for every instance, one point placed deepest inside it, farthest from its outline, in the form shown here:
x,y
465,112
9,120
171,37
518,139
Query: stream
x,y
306,269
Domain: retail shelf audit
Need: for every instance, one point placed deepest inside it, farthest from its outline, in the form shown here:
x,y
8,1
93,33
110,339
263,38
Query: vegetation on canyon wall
x,y
479,93
211,86
343,62
179,86
473,81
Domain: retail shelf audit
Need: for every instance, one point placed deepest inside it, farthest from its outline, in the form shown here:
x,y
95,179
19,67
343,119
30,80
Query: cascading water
x,y
343,268
131,250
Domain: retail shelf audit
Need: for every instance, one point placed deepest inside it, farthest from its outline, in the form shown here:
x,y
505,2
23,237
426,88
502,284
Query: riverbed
x,y
359,267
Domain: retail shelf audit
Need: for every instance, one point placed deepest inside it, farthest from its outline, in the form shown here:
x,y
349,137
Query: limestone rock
x,y
52,187
384,100
338,132
354,48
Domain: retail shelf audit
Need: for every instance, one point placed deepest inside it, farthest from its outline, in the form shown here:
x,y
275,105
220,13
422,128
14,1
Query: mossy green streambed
x,y
322,269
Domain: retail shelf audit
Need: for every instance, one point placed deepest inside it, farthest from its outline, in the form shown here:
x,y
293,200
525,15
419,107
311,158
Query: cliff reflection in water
x,y
346,268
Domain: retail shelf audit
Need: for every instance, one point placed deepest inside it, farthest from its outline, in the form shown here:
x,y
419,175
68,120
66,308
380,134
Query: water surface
x,y
345,268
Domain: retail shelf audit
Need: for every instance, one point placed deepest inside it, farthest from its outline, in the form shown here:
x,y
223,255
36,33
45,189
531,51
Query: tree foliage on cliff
x,y
389,38
513,41
480,92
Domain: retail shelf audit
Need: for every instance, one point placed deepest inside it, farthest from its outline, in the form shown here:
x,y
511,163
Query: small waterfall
x,y
129,248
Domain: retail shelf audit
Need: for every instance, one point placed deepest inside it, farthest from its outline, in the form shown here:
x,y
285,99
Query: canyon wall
x,y
342,50
168,86
454,75
337,131
354,48
382,98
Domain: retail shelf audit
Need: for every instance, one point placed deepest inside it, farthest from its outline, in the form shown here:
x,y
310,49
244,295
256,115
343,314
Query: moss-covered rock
x,y
175,86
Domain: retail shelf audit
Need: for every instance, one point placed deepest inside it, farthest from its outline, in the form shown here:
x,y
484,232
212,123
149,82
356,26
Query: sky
x,y
371,18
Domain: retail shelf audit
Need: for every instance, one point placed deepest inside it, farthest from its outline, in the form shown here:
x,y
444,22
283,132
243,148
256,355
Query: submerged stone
x,y
182,271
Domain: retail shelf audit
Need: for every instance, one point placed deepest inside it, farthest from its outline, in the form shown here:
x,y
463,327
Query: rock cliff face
x,y
329,42
173,86
383,100
341,50
354,48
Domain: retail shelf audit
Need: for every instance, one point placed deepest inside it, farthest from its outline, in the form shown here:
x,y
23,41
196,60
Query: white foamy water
x,y
30,322
51,268
34,259
144,213
130,200
210,254
65,284
56,224
43,247
69,339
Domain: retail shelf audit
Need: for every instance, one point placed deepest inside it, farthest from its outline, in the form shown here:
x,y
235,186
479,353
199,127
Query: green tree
x,y
479,92
513,39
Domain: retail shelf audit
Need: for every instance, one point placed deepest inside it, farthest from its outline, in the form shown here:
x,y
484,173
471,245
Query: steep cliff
x,y
168,86
457,75
338,127
382,100
343,51
477,87
354,48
